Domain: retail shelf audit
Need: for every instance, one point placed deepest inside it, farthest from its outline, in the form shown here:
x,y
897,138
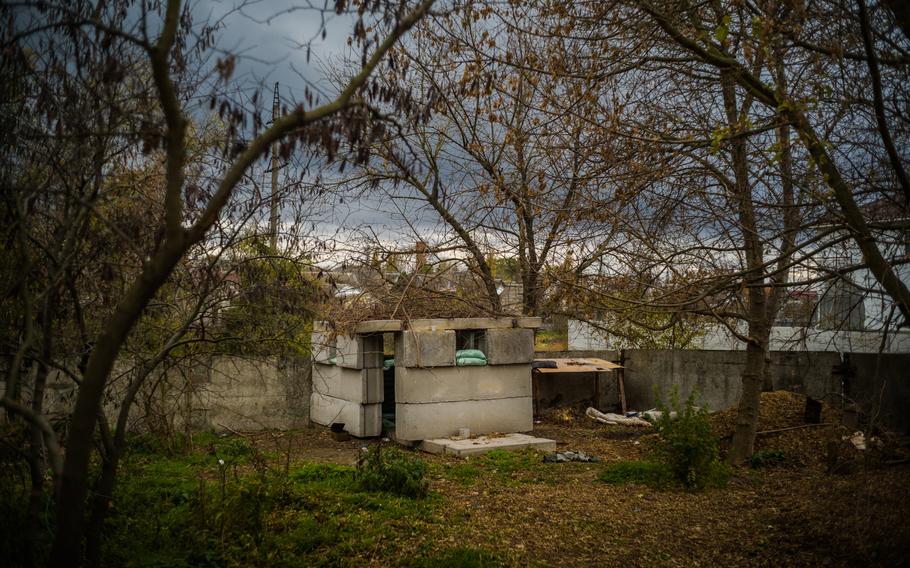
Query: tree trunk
x,y
74,484
101,503
37,467
753,376
757,313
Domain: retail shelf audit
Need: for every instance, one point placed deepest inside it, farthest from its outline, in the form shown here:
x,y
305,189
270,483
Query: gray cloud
x,y
267,37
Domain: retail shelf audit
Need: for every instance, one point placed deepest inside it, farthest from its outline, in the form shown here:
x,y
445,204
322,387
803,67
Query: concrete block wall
x,y
443,419
508,346
432,348
350,391
445,384
323,346
363,386
434,398
358,351
361,420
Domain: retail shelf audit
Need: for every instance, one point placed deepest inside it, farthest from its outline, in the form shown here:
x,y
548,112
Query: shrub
x,y
687,445
393,471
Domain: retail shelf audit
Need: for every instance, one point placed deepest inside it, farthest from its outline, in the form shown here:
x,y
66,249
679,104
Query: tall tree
x,y
81,42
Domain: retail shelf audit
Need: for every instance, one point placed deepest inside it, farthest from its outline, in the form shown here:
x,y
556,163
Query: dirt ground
x,y
802,510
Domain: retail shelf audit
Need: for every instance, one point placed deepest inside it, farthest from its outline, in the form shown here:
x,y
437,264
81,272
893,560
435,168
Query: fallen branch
x,y
795,428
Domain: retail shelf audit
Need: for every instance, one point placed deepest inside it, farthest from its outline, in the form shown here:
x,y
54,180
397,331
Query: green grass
x,y
192,511
505,467
461,557
767,458
652,474
658,475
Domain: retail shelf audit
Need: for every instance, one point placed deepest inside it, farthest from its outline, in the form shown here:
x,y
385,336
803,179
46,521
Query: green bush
x,y
652,474
687,445
391,470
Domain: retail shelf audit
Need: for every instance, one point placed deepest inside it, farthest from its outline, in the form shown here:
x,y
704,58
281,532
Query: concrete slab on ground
x,y
483,444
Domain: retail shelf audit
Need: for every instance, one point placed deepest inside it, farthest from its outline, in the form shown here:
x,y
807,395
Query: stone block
x,y
363,386
361,420
323,346
358,351
508,346
447,384
425,349
529,322
443,419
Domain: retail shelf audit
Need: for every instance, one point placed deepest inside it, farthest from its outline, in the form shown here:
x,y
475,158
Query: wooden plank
x,y
620,378
596,403
586,365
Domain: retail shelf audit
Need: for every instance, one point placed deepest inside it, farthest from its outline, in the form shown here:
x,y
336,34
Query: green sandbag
x,y
471,354
470,362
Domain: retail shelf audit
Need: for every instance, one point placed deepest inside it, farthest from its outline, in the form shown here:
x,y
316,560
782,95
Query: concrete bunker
x,y
425,379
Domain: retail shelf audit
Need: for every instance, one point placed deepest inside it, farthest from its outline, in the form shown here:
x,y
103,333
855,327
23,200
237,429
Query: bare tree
x,y
81,43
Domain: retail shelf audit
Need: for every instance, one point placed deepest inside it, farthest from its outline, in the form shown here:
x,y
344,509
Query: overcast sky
x,y
267,36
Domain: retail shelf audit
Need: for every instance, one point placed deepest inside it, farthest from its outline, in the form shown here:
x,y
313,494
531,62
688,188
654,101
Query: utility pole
x,y
273,214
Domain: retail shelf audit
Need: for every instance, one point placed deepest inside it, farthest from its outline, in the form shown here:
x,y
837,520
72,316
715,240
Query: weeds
x,y
223,507
767,458
653,474
461,557
686,451
687,445
391,470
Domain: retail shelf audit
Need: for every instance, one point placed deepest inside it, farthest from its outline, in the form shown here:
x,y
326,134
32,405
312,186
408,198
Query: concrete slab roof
x,y
386,326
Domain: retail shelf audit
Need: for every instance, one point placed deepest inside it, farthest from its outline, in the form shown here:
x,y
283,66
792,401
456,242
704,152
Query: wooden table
x,y
580,365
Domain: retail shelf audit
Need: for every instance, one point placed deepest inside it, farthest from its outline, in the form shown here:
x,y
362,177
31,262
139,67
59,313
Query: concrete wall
x,y
241,394
716,375
881,385
585,337
217,393
877,383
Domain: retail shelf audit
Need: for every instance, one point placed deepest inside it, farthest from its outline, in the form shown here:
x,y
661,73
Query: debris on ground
x,y
562,457
654,415
861,442
613,419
